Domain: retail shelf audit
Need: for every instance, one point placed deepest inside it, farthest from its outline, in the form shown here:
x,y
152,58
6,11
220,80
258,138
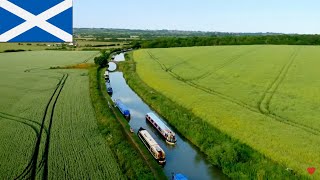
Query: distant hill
x,y
146,34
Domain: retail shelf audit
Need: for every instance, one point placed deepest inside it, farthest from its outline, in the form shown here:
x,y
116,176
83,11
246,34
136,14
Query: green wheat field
x,y
265,96
37,101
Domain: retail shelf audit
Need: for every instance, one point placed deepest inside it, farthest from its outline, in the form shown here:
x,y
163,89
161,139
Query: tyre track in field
x,y
45,155
249,107
35,128
184,61
264,102
32,124
240,103
227,62
23,120
29,168
163,66
32,165
86,60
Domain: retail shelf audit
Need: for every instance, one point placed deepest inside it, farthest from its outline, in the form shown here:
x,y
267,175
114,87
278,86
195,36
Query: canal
x,y
182,157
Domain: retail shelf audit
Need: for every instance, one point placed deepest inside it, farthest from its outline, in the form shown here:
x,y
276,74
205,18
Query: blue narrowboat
x,y
179,177
109,88
122,108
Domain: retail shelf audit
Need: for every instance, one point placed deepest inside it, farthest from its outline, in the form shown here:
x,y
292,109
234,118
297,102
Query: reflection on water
x,y
126,100
119,57
137,114
112,66
182,157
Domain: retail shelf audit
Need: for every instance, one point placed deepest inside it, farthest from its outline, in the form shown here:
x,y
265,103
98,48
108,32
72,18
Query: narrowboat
x,y
109,88
178,176
122,108
106,75
153,147
163,129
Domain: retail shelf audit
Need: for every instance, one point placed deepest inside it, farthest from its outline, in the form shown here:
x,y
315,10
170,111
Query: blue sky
x,y
286,16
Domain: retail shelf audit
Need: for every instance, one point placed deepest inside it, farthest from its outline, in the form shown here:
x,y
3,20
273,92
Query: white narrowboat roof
x,y
148,138
160,123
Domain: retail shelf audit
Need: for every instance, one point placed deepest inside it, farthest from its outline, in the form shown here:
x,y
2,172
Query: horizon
x,y
112,28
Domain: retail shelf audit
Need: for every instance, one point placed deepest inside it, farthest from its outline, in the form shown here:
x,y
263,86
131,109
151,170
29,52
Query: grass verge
x,y
237,160
134,161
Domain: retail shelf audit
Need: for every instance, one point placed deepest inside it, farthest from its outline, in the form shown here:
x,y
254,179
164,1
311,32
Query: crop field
x,y
267,97
48,124
104,45
23,46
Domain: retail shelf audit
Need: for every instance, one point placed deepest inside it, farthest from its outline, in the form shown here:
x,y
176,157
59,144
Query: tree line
x,y
102,33
167,42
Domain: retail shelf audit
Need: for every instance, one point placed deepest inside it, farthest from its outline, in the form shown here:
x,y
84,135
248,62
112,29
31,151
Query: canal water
x,y
182,157
119,57
112,66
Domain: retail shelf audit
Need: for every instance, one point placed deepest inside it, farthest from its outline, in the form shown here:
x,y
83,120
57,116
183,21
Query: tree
x,y
102,60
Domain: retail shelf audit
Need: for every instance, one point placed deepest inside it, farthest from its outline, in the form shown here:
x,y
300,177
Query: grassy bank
x,y
129,157
236,160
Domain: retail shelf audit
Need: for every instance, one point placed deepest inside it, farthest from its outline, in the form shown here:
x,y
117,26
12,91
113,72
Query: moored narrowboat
x,y
106,75
163,129
109,88
153,147
178,176
122,108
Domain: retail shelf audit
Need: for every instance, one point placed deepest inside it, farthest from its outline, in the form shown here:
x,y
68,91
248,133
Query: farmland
x,y
82,44
103,44
266,97
48,124
22,46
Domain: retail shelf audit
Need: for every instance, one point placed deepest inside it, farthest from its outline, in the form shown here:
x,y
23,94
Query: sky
x,y
282,16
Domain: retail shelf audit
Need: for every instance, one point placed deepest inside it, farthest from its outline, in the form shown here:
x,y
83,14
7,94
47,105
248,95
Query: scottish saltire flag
x,y
35,20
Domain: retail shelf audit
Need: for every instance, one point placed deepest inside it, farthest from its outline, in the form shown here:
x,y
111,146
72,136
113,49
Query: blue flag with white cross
x,y
36,21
